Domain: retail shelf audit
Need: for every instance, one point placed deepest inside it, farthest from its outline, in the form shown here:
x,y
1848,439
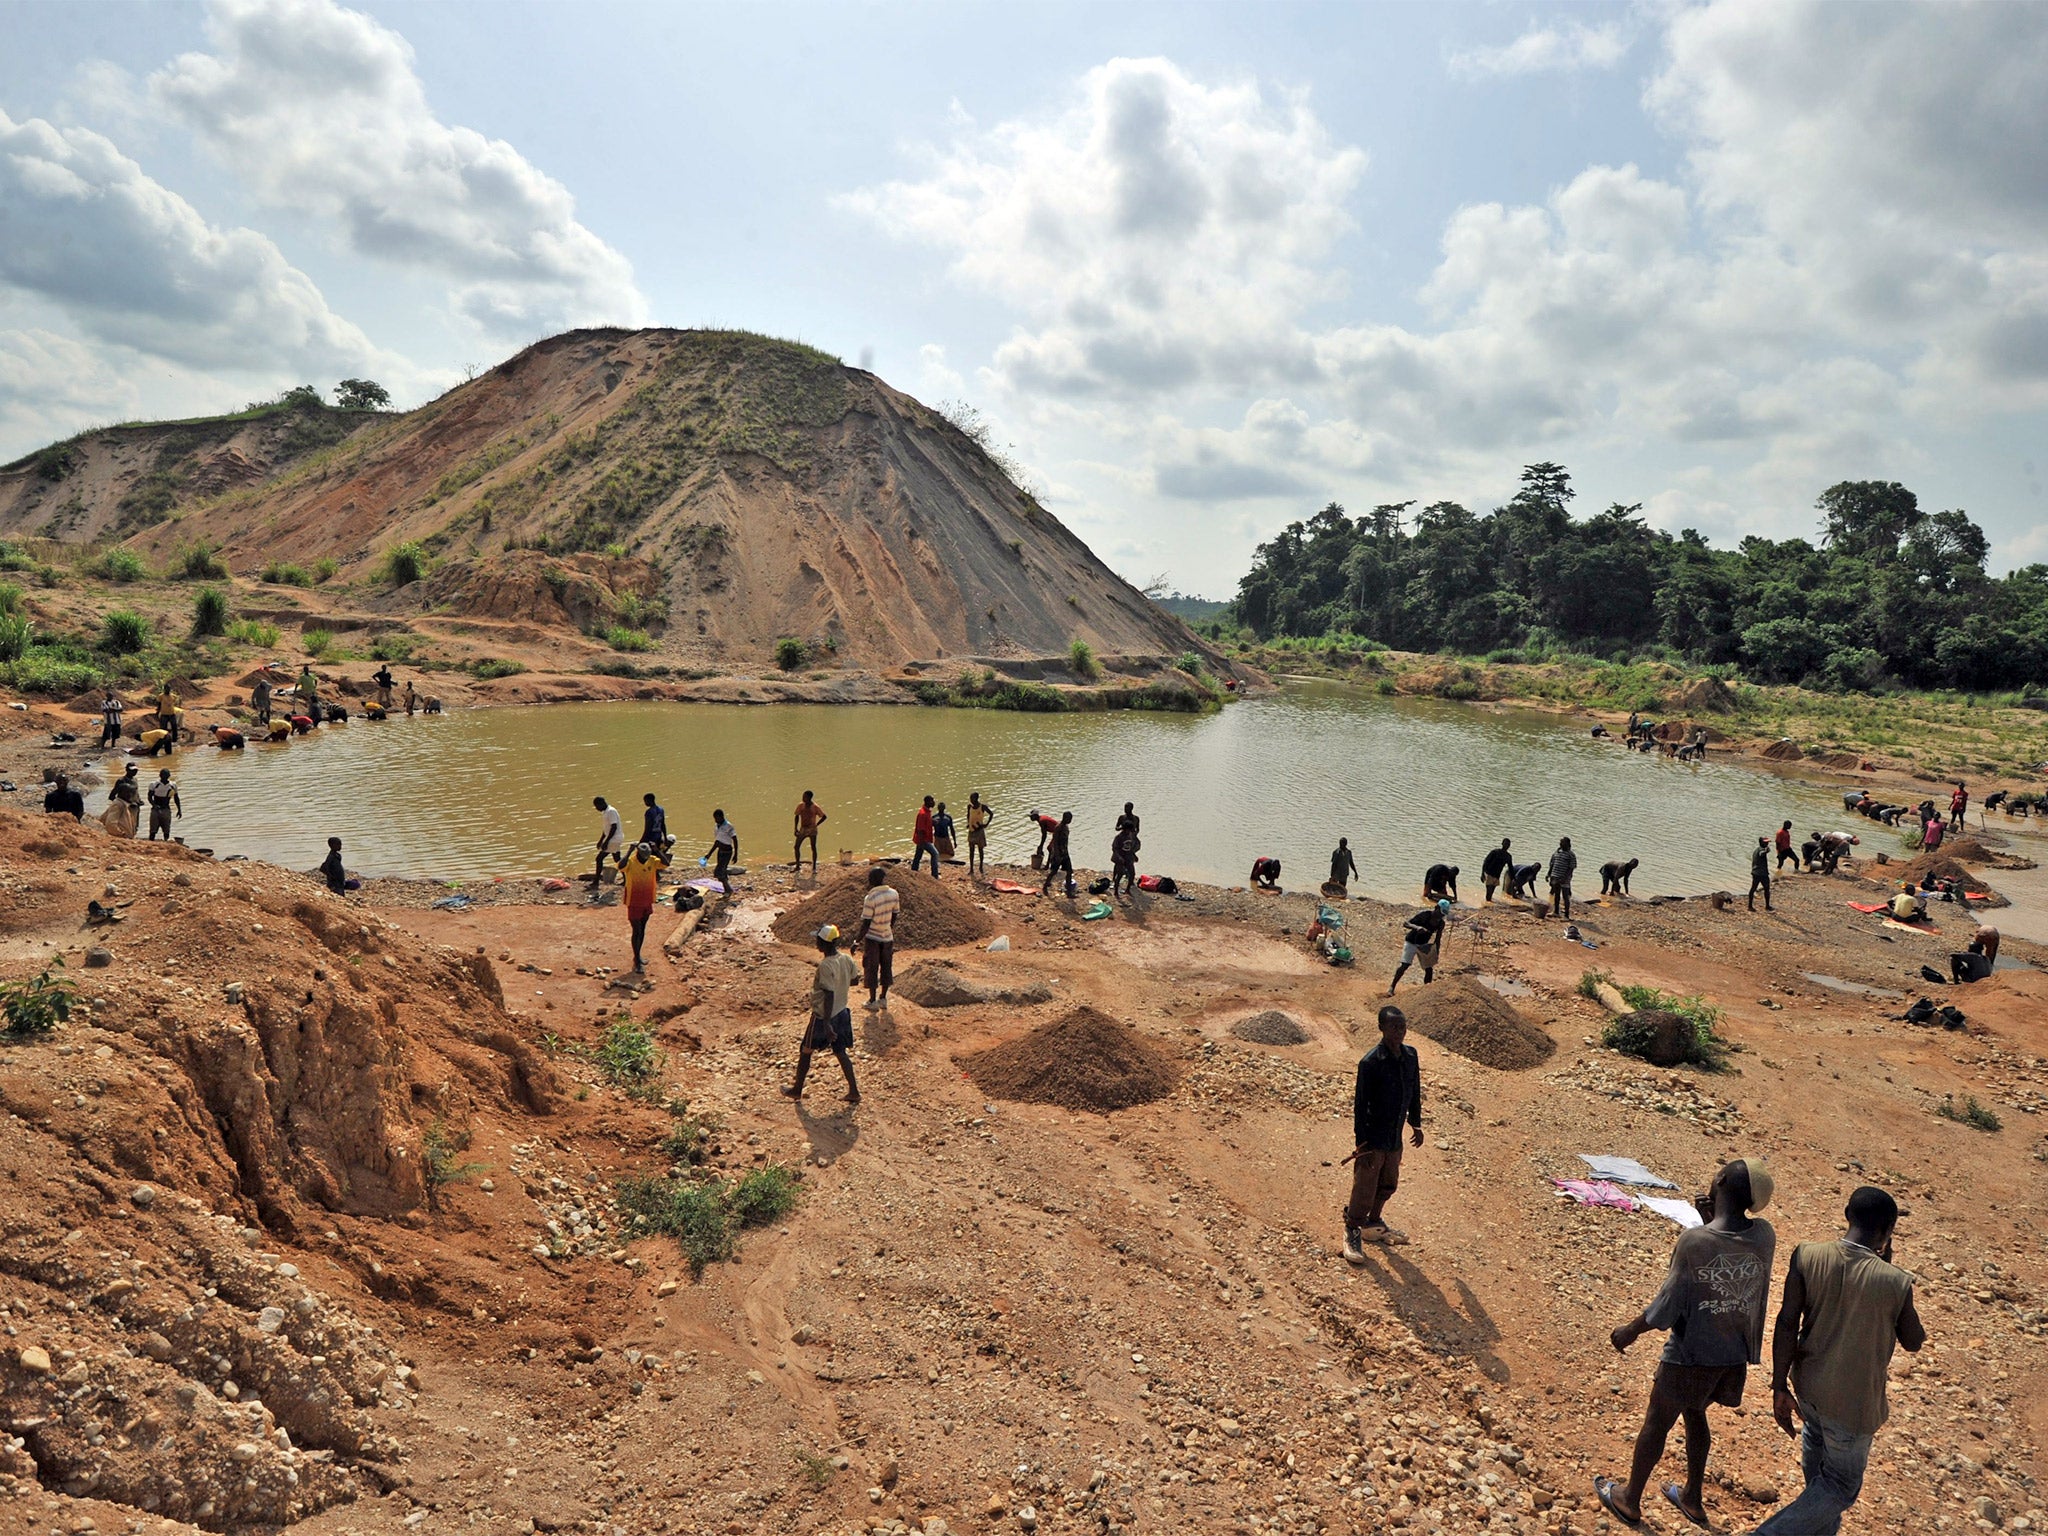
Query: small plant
x,y
209,612
280,574
441,1150
317,642
200,561
14,558
629,1058
620,638
16,635
487,667
791,653
615,551
405,563
325,569
763,1195
1191,662
1589,983
39,1004
260,633
814,1469
393,647
124,632
705,1215
119,565
1081,659
1972,1113
686,1139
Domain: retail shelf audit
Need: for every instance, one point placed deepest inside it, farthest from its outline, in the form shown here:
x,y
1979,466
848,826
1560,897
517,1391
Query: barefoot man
x,y
809,817
1388,1094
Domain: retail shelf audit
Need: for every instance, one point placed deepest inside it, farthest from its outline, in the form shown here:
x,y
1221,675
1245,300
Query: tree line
x,y
1889,594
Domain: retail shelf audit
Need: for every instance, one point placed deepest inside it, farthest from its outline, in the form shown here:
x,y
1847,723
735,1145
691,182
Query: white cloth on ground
x,y
1624,1170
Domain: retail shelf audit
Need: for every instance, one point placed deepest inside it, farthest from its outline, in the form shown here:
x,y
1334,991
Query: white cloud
x,y
320,110
1570,46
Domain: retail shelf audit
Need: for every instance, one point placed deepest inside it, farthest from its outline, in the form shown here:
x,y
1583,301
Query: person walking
x,y
1563,865
725,848
1846,1307
1783,840
978,818
640,872
1422,939
942,831
1760,873
163,799
1958,806
924,839
332,869
809,817
110,719
1713,1302
611,841
1342,865
1387,1094
1059,856
876,937
831,1022
1494,867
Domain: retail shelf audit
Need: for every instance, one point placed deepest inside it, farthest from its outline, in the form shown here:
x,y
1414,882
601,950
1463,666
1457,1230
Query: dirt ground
x,y
274,1306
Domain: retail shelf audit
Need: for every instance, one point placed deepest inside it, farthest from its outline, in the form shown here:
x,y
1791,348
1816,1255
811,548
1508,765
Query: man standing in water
x,y
1712,1302
876,937
1845,1309
831,1023
924,839
1387,1095
1342,865
809,817
1059,856
1760,873
725,847
1563,865
1495,866
641,874
163,799
978,818
610,841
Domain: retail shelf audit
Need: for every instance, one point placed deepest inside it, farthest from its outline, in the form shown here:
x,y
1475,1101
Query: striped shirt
x,y
879,908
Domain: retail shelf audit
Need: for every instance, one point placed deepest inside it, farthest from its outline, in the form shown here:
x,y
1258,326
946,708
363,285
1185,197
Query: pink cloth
x,y
1595,1192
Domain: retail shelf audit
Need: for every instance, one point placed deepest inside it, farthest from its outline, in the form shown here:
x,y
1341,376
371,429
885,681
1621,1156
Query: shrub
x,y
441,1151
124,632
16,634
685,1141
620,638
1702,1047
1081,659
791,653
257,632
487,667
200,561
629,1058
47,672
37,1005
405,563
122,565
279,574
704,1215
763,1195
615,551
13,557
209,612
1191,662
1972,1113
325,569
317,642
393,646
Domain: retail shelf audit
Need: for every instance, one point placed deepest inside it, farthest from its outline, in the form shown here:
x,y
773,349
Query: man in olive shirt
x,y
1846,1307
1389,1092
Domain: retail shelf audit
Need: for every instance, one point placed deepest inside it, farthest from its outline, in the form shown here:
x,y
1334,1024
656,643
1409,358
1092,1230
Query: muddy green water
x,y
507,791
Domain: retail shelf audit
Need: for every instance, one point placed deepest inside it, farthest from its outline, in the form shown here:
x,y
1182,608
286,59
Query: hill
x,y
771,491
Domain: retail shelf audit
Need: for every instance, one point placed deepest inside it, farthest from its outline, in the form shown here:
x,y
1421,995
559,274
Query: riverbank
x,y
955,1312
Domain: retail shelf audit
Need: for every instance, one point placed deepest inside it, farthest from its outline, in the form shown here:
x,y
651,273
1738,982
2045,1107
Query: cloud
x,y
319,109
1157,233
1571,46
132,263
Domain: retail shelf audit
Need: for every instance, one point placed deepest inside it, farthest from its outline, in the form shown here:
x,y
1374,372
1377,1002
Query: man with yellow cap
x,y
831,1024
1712,1302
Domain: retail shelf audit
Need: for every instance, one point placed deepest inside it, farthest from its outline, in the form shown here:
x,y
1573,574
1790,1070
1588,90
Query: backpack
x,y
1921,1012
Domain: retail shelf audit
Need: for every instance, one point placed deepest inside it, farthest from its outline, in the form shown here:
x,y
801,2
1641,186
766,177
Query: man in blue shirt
x,y
1389,1092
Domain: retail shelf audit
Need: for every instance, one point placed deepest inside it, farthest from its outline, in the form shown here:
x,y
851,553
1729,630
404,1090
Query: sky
x,y
1204,267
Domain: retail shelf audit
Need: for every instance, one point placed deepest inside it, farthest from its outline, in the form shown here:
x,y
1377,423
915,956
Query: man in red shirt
x,y
1958,803
925,838
1784,845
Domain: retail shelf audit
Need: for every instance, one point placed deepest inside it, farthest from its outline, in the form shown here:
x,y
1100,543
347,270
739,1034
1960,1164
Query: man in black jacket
x,y
1389,1092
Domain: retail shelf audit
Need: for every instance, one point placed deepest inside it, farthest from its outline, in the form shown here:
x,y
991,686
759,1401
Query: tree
x,y
361,395
1868,518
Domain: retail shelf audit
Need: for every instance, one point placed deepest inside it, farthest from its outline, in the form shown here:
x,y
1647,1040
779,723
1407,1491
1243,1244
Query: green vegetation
x,y
123,632
620,638
260,633
1081,660
629,1058
791,653
317,642
1972,1113
689,1136
1891,594
405,563
706,1215
441,1152
16,635
484,668
199,561
118,565
209,612
325,569
394,645
280,574
1191,662
37,1005
361,395
1702,1047
14,558
814,1469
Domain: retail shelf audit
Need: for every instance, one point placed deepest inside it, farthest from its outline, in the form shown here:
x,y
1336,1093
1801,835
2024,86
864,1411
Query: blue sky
x,y
1205,266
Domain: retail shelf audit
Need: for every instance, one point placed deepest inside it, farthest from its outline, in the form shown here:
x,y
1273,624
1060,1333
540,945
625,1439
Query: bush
x,y
704,1215
1081,659
487,667
1972,1113
16,635
325,569
14,558
37,1005
200,561
278,574
317,642
122,565
257,632
763,1195
405,563
441,1151
1702,1047
620,638
629,1058
50,673
209,612
1192,663
393,647
124,632
791,653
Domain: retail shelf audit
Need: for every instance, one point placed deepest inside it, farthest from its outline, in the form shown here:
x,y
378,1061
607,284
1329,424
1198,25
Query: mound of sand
x,y
935,914
935,984
1462,1016
1936,866
1270,1028
1703,696
1086,1060
1783,750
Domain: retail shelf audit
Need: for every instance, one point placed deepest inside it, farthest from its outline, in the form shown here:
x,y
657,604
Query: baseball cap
x,y
1761,1184
829,934
1443,904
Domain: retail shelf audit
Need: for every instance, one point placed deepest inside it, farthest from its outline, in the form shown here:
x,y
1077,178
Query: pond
x,y
1410,782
